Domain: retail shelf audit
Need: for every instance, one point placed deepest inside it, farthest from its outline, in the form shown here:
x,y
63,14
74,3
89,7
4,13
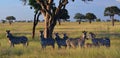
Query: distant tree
x,y
91,17
116,20
108,20
112,11
79,17
98,20
10,19
3,21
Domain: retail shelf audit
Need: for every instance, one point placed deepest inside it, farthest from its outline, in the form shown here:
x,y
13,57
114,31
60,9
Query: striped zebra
x,y
99,41
46,41
74,42
61,41
16,40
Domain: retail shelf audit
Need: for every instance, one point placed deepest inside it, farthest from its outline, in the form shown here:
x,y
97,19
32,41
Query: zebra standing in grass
x,y
16,40
99,41
74,42
46,41
60,41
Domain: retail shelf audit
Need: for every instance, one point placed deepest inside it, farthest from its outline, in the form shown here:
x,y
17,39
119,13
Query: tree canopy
x,y
90,17
79,17
112,11
10,19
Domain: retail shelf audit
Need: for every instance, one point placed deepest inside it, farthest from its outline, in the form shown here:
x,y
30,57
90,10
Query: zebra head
x,y
8,33
57,37
92,35
41,35
65,36
84,36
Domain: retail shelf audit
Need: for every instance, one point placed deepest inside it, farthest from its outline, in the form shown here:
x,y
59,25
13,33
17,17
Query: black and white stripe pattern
x,y
61,41
16,40
46,41
77,41
99,41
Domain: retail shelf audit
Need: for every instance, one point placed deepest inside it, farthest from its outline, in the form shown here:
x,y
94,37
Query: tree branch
x,y
44,4
62,3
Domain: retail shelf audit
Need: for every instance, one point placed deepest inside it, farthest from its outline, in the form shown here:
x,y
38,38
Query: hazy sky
x,y
17,9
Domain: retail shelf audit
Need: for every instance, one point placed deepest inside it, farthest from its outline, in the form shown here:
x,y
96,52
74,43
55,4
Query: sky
x,y
23,12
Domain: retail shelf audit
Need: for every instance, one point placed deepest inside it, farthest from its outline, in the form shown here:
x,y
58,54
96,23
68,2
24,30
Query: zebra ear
x,y
84,31
56,33
90,32
41,31
7,30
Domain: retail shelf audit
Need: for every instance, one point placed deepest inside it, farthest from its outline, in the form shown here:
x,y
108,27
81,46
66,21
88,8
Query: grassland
x,y
73,30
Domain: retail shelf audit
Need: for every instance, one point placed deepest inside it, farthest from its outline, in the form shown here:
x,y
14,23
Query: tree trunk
x,y
35,23
79,21
90,21
10,22
49,27
50,15
59,21
112,17
33,30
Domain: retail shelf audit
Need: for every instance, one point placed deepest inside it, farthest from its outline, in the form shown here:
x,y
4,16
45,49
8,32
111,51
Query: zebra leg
x,y
59,46
25,44
43,46
65,46
68,43
73,45
12,45
53,46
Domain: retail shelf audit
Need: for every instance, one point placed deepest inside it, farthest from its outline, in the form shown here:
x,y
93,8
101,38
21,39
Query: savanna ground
x,y
73,30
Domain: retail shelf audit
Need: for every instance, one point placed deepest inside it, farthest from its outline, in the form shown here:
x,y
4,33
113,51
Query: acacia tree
x,y
51,12
79,17
3,21
10,19
90,17
112,11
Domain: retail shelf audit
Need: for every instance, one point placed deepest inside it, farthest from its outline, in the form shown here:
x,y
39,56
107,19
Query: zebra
x,y
46,41
61,41
74,42
16,39
99,41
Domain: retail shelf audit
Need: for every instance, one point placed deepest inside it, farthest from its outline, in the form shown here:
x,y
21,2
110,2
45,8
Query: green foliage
x,y
64,14
90,16
34,5
98,20
10,18
79,16
3,21
111,11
